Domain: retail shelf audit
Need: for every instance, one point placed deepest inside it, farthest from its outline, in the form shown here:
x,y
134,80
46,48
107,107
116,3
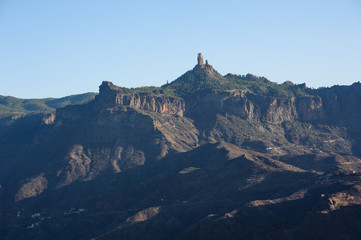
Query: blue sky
x,y
58,48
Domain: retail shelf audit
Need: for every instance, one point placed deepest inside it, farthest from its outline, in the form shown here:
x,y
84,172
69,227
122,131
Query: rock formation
x,y
113,96
201,66
200,59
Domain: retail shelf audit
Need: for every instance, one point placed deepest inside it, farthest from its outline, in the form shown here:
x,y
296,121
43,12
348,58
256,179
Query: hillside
x,y
203,157
11,106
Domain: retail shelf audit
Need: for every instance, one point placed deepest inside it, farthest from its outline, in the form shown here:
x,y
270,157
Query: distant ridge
x,y
10,106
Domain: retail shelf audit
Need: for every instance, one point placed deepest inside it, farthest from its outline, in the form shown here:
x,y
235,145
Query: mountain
x,y
204,157
201,77
11,106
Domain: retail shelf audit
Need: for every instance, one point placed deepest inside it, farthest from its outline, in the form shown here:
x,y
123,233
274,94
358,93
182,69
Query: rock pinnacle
x,y
200,59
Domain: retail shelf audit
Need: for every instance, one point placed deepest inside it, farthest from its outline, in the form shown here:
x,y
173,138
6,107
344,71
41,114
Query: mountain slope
x,y
10,106
201,77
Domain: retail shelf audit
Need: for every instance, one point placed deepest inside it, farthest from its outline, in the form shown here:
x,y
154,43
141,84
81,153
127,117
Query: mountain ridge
x,y
11,106
213,162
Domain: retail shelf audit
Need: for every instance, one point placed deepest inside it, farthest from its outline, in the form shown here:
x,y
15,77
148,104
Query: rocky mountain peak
x,y
201,65
202,76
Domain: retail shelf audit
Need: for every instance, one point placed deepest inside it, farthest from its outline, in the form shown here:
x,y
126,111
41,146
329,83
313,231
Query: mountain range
x,y
203,157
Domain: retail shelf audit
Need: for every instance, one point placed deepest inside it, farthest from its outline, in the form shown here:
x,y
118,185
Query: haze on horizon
x,y
54,49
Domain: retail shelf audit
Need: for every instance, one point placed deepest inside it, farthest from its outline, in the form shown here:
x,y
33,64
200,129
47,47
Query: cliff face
x,y
253,107
310,108
340,106
115,132
248,106
217,116
112,96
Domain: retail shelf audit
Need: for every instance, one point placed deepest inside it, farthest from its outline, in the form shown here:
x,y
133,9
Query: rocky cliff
x,y
113,96
240,103
338,106
114,132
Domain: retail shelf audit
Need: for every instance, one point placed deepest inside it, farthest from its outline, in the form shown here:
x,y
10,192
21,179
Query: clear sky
x,y
58,48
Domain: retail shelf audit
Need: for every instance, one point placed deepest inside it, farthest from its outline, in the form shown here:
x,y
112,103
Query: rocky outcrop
x,y
208,69
112,134
328,105
112,96
32,188
310,108
247,106
339,106
200,59
342,105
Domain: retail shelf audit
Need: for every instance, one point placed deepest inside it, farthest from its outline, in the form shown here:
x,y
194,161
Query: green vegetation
x,y
193,81
10,106
262,86
199,80
150,90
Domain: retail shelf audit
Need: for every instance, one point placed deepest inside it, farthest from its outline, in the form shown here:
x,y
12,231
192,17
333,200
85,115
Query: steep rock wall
x,y
112,96
247,106
339,105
